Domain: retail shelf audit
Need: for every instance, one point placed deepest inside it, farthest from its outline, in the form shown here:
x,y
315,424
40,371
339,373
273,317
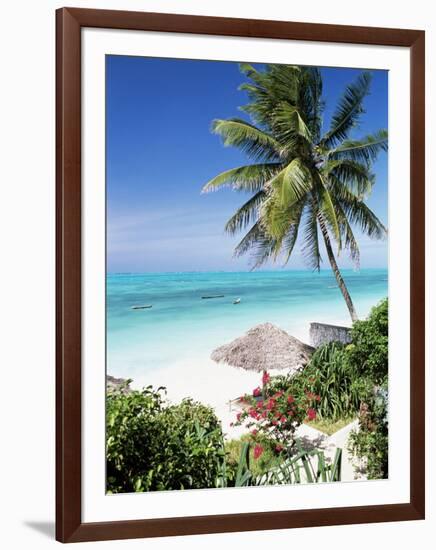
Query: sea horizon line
x,y
302,270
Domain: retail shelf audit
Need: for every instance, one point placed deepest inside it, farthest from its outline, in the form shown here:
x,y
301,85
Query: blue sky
x,y
160,152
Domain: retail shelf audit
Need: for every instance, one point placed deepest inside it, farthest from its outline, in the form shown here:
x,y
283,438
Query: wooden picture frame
x,y
69,525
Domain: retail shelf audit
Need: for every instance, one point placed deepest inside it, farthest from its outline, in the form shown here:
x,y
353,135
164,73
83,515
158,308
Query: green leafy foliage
x,y
368,353
309,466
155,446
330,377
371,442
269,459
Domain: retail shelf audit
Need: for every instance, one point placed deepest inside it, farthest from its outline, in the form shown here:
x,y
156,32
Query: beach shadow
x,y
46,528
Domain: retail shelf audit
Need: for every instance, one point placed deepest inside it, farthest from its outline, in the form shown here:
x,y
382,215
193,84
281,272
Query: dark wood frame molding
x,y
69,526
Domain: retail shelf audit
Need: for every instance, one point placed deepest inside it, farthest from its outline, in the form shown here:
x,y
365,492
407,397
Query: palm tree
x,y
301,180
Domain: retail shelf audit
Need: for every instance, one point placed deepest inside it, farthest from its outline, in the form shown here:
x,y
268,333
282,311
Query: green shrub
x,y
370,443
368,352
155,446
330,377
352,380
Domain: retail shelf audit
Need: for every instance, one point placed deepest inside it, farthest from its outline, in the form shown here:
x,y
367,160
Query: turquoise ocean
x,y
181,327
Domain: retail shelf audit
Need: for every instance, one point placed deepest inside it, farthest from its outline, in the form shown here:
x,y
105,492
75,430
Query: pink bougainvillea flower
x,y
265,378
258,450
283,419
260,405
311,414
252,412
257,392
238,417
271,404
254,432
291,399
317,398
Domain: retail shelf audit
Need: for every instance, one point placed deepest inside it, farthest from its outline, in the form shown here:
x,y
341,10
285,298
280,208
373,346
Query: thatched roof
x,y
264,347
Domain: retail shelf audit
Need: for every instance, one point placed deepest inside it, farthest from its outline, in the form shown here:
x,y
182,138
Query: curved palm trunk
x,y
341,283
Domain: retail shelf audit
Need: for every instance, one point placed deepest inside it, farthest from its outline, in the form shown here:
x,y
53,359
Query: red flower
x,y
271,403
254,432
238,417
318,398
264,414
278,394
260,405
252,412
311,414
258,450
283,419
265,378
257,392
290,399
279,448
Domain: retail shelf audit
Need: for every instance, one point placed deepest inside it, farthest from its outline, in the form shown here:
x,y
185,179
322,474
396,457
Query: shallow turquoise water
x,y
181,326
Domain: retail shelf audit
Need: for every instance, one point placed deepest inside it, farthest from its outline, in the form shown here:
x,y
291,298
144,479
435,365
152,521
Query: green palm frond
x,y
258,243
358,213
311,102
245,214
354,175
348,238
290,239
348,110
365,150
310,246
249,178
327,210
267,89
291,183
254,142
285,191
289,125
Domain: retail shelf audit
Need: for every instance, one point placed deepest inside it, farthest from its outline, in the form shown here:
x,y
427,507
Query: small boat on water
x,y
142,307
237,301
212,296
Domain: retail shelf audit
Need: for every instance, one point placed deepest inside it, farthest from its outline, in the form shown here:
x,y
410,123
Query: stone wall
x,y
321,333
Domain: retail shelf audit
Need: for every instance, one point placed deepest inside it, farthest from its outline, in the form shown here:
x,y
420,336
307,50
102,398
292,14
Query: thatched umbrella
x,y
264,348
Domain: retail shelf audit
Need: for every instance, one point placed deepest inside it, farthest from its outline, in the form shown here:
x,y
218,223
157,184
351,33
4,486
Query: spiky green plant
x,y
301,180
